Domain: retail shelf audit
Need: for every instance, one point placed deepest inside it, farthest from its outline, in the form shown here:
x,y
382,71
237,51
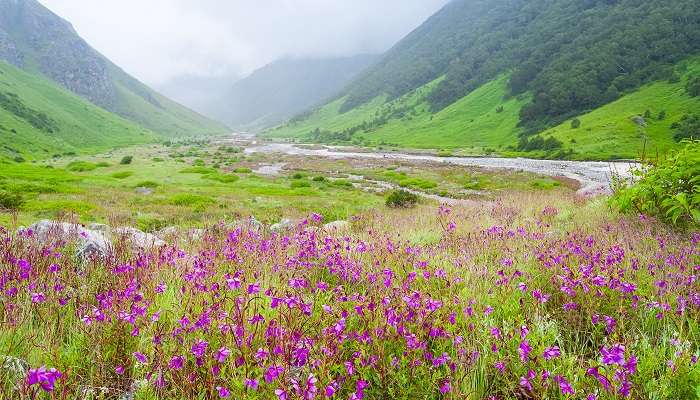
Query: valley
x,y
420,199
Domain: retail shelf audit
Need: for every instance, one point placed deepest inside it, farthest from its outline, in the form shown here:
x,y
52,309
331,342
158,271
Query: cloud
x,y
159,39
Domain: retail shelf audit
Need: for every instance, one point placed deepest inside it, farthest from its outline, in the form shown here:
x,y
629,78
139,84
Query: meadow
x,y
519,289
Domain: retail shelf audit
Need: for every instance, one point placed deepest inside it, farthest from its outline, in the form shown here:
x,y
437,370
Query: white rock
x,y
90,242
282,226
139,239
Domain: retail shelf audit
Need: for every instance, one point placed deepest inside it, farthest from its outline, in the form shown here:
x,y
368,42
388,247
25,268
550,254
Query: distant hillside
x,y
198,92
286,88
39,119
484,74
36,40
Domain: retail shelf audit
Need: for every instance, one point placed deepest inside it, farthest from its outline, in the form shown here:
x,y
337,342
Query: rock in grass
x,y
282,226
139,240
91,243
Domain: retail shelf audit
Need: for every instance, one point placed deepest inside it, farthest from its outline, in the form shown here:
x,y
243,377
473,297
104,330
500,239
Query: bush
x,y
102,164
319,179
126,160
575,123
147,184
687,128
81,166
223,178
401,199
242,170
10,200
662,116
122,175
693,87
300,184
669,190
191,200
151,224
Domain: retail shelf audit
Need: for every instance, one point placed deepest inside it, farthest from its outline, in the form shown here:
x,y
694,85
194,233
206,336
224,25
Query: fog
x,y
157,40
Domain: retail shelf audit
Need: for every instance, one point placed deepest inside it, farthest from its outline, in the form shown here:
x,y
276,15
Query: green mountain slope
x,y
535,64
487,119
38,41
39,119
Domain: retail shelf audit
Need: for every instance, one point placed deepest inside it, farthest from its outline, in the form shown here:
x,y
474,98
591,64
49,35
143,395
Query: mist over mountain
x,y
198,92
286,88
36,40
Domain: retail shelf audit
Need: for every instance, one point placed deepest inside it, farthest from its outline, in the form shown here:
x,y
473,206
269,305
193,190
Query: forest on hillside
x,y
572,55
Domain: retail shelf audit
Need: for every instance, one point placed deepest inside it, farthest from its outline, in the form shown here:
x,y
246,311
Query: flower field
x,y
498,303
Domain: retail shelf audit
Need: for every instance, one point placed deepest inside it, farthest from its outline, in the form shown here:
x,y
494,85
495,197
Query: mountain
x,y
198,92
36,40
286,88
40,119
484,76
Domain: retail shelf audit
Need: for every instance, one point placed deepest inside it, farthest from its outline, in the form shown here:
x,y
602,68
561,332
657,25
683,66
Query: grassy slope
x,y
165,117
473,125
82,127
471,122
609,132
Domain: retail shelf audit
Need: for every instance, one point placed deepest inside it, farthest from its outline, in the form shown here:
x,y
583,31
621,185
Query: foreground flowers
x,y
502,312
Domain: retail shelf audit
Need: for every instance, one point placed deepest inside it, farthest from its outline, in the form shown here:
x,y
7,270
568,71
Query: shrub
x,y
147,184
669,189
81,166
198,170
191,200
19,159
297,175
662,116
401,199
126,160
693,87
122,175
151,224
223,178
242,170
319,179
687,128
10,200
300,184
575,123
102,164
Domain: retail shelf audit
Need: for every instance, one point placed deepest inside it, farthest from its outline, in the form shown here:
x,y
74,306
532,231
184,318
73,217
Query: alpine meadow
x,y
360,200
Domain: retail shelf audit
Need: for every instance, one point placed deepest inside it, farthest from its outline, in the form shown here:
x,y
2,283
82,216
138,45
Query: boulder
x,y
98,227
167,233
282,226
139,240
90,242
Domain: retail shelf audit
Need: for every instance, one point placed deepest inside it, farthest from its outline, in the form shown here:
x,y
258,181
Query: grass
x,y
78,126
485,121
428,303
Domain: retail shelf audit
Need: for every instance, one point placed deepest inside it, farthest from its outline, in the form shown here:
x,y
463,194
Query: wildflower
x,y
199,348
119,370
445,387
281,394
524,350
551,353
251,384
176,362
254,288
140,357
330,391
613,355
564,385
273,373
222,354
43,377
224,393
38,298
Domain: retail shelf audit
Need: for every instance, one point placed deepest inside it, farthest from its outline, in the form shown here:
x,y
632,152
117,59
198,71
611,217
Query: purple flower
x,y
524,350
38,297
615,355
140,357
224,393
199,348
445,387
330,391
43,377
251,384
273,373
564,385
254,288
281,394
176,362
222,354
551,353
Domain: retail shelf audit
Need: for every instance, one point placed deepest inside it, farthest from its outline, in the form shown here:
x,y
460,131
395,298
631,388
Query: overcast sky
x,y
159,39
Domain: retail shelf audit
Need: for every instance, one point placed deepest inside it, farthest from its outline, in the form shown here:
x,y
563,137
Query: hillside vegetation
x,y
486,120
537,64
39,119
36,40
